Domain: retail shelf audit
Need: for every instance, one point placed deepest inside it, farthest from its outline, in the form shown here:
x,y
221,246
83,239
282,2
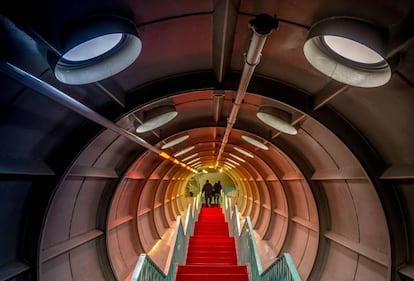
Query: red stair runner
x,y
211,251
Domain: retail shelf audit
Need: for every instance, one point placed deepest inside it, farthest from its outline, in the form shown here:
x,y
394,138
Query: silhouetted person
x,y
208,192
217,191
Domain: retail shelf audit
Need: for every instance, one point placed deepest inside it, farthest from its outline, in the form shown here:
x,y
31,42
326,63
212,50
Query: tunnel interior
x,y
83,192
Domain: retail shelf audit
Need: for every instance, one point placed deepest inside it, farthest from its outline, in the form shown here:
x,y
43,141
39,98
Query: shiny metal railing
x,y
147,270
282,269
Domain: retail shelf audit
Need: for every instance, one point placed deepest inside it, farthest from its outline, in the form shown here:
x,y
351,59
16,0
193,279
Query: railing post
x,y
147,270
282,269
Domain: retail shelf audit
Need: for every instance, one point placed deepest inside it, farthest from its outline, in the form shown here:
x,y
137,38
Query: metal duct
x,y
262,26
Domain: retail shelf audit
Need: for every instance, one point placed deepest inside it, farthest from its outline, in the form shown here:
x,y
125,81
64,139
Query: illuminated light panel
x,y
352,50
189,157
98,48
276,123
93,48
229,164
255,142
232,161
193,161
156,122
349,50
184,151
175,142
237,157
244,152
175,161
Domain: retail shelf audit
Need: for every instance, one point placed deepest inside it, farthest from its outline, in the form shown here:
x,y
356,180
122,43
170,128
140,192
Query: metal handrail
x,y
282,269
147,270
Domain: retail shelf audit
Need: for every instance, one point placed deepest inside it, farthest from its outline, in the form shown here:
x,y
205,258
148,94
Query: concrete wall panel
x,y
58,268
311,249
373,231
277,232
296,242
255,212
96,147
297,200
341,264
160,223
85,263
263,221
86,206
369,270
146,228
344,220
115,249
12,199
58,222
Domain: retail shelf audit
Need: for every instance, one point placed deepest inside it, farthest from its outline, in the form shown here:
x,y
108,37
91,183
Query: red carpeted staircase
x,y
211,251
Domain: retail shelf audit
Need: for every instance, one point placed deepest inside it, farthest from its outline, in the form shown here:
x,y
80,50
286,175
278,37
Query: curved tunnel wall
x,y
273,191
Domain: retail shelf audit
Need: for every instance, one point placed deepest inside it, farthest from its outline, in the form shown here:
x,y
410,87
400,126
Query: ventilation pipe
x,y
262,26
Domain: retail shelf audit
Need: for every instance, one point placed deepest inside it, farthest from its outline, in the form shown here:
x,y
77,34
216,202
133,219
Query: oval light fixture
x,y
349,50
244,152
189,157
95,49
232,161
277,119
229,164
175,141
184,151
237,157
195,160
156,118
255,142
227,167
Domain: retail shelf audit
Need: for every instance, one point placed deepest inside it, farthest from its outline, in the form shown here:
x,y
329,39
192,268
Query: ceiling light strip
x,y
189,157
237,157
175,142
244,152
184,151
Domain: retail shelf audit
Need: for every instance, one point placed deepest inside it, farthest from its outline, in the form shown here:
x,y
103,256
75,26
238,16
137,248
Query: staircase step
x,y
210,277
210,249
211,253
193,269
195,261
212,238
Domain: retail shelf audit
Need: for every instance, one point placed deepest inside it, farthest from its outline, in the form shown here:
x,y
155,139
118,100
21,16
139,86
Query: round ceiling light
x,y
95,50
277,119
350,51
156,118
